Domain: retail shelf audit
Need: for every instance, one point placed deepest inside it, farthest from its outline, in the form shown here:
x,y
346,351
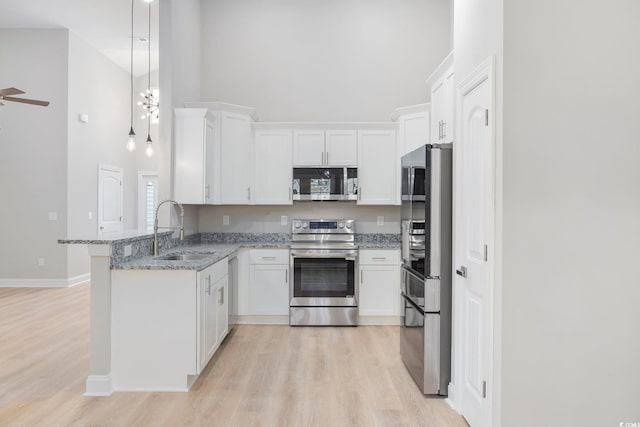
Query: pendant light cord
x,y
149,75
131,65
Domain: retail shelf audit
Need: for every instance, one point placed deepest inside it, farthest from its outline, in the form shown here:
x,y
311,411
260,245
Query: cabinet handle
x,y
323,158
248,193
444,129
286,276
208,280
439,130
206,191
359,193
361,276
221,298
268,257
379,258
290,193
327,158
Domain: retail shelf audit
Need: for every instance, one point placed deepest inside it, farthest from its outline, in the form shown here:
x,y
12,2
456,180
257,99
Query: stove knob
x,y
305,225
341,224
349,225
296,224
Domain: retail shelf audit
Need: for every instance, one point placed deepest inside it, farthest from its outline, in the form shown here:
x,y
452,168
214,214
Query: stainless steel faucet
x,y
156,228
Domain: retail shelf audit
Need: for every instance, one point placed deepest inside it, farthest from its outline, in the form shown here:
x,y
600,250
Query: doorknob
x,y
462,272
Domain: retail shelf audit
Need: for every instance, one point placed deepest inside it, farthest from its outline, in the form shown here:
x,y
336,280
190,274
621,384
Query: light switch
x,y
90,215
380,220
40,262
53,216
225,219
283,220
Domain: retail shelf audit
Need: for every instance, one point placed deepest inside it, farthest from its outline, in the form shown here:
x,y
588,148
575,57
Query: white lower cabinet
x,y
379,293
268,292
166,325
214,313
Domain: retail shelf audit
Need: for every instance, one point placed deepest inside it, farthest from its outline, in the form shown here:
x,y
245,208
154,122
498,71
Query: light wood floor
x,y
261,376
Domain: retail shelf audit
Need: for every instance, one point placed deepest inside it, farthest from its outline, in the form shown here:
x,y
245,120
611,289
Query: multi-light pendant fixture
x,y
150,103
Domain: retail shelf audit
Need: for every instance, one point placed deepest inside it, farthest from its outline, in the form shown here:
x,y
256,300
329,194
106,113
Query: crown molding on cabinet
x,y
324,126
446,63
409,109
223,106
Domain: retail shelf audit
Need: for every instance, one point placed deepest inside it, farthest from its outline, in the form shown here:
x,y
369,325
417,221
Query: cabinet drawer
x,y
269,256
379,256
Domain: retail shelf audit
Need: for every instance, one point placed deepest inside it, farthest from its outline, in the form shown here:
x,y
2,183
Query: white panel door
x,y
341,148
273,167
109,199
308,148
474,240
236,159
379,293
269,290
377,165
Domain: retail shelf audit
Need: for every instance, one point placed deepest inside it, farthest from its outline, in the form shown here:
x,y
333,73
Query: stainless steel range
x,y
324,264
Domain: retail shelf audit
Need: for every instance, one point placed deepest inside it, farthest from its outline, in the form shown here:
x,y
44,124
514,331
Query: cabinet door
x,y
273,167
189,155
414,131
377,165
236,159
442,106
222,308
449,113
269,290
212,161
208,337
341,148
379,290
308,148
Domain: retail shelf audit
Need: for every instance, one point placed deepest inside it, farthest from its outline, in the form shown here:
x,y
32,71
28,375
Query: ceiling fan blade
x,y
11,91
26,101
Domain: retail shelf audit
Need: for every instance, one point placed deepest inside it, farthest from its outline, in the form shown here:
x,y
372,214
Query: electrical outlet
x,y
127,250
90,215
225,219
40,262
53,216
283,220
380,220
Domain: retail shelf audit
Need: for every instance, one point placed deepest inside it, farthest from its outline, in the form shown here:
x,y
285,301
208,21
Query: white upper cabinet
x,y
441,85
273,167
236,158
377,168
308,147
197,156
413,127
341,148
325,148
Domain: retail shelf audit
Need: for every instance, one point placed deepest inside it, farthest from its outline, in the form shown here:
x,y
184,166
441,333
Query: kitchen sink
x,y
184,257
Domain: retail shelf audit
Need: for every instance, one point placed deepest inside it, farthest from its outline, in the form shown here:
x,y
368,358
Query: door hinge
x,y
484,389
486,117
486,253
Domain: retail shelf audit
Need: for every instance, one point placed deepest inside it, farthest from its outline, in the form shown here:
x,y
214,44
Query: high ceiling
x,y
104,24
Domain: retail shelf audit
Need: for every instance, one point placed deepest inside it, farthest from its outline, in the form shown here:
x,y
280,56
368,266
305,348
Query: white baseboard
x,y
98,385
261,320
45,283
380,320
451,397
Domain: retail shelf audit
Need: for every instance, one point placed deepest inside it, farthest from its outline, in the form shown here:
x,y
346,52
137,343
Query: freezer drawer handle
x,y
462,272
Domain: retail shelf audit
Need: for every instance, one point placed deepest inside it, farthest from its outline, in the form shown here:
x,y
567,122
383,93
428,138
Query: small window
x,y
147,199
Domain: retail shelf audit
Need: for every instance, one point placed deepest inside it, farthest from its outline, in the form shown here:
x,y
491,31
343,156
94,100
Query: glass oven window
x,y
323,277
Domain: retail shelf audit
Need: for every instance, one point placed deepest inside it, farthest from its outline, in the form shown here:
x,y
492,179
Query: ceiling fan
x,y
4,96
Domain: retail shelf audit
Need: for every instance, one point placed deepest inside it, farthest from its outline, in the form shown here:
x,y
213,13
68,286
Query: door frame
x,y
485,71
103,167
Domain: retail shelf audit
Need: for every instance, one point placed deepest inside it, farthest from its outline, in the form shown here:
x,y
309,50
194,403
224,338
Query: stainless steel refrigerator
x,y
426,217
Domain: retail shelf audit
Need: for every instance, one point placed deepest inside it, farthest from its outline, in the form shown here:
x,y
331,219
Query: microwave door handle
x,y
412,182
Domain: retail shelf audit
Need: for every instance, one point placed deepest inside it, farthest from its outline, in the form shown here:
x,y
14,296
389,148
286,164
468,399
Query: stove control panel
x,y
323,226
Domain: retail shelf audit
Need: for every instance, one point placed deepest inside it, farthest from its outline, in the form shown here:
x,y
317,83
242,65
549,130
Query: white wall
x,y
33,156
332,60
179,83
266,219
101,89
571,287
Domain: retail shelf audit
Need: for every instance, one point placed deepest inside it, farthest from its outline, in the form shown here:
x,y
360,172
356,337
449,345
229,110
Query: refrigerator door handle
x,y
432,295
436,221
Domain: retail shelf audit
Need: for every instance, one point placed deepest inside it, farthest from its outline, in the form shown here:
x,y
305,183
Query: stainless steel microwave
x,y
325,183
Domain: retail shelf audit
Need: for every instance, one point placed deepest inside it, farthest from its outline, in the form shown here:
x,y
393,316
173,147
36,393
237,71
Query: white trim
x,y
451,397
304,126
440,69
410,109
98,386
483,72
262,320
45,283
379,320
226,107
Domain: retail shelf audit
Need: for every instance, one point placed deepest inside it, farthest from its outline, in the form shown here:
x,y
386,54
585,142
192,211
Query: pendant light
x,y
149,150
131,143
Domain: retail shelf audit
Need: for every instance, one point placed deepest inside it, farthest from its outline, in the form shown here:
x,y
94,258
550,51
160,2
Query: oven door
x,y
323,278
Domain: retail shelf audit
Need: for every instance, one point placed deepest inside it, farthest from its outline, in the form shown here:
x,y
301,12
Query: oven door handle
x,y
347,257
